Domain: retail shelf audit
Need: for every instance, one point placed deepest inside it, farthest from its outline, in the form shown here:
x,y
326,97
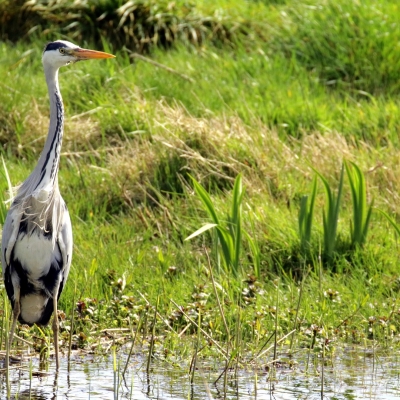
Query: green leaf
x,y
330,214
236,218
227,239
305,217
361,213
255,254
391,220
204,228
227,245
206,200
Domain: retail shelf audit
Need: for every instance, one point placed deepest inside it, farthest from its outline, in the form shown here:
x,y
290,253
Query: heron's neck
x,y
46,171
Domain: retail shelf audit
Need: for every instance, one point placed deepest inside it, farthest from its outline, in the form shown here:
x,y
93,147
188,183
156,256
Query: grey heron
x,y
37,234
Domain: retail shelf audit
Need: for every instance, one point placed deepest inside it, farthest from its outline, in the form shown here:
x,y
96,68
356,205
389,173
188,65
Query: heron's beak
x,y
85,54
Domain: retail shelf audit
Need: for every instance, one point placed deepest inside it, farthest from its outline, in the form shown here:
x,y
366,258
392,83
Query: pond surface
x,y
348,374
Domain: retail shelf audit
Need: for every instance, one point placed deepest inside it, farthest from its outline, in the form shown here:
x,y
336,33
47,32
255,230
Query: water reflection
x,y
349,374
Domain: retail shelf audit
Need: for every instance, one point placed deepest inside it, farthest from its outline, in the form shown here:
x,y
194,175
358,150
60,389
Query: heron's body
x,y
37,234
38,226
39,259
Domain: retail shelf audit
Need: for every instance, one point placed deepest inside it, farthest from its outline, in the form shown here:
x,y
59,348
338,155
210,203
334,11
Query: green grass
x,y
266,107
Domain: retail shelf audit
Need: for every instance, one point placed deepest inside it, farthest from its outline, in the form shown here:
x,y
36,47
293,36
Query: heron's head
x,y
59,53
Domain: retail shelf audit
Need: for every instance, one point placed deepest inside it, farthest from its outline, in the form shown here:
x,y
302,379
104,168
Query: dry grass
x,y
264,157
137,25
214,150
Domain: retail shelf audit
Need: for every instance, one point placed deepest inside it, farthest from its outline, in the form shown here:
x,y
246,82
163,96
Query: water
x,y
349,374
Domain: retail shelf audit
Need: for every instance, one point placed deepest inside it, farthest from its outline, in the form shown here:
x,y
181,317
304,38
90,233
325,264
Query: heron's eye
x,y
62,51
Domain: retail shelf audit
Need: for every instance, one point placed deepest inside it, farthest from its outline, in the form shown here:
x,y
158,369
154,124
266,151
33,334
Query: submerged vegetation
x,y
265,132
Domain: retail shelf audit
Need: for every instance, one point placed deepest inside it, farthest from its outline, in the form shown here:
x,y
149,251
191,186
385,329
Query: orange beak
x,y
85,54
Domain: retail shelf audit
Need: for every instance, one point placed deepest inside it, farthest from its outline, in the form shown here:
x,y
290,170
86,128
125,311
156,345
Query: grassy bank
x,y
274,108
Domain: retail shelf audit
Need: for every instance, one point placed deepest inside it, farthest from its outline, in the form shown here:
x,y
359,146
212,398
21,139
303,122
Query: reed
x,y
331,214
361,210
305,218
228,234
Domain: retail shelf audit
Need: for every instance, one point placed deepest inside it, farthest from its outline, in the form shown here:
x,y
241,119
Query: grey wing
x,y
65,242
9,236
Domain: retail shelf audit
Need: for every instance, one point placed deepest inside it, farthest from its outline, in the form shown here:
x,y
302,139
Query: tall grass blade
x,y
236,221
115,372
153,334
305,218
3,198
206,201
361,212
7,176
203,229
7,362
391,220
134,335
331,214
71,330
255,254
221,310
192,368
226,242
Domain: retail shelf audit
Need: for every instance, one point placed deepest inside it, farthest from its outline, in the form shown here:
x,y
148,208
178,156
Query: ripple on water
x,y
349,374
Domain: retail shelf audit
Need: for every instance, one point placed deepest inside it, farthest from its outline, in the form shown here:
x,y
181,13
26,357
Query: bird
x,y
36,246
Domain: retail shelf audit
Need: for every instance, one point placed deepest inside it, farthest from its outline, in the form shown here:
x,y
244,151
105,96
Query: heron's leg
x,y
55,324
16,311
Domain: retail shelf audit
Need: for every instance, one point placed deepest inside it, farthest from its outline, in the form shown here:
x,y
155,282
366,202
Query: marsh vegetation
x,y
267,130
